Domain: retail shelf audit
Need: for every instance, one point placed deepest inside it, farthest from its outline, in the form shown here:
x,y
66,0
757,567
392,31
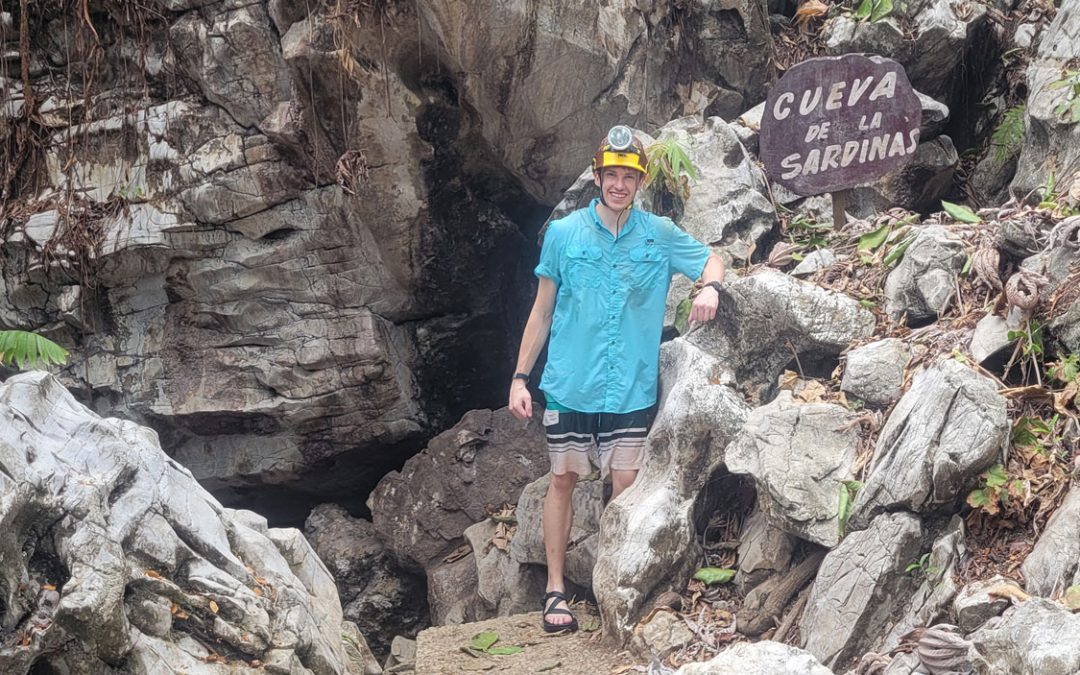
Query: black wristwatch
x,y
522,376
715,285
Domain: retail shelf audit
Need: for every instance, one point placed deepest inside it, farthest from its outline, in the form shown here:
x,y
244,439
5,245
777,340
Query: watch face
x,y
620,137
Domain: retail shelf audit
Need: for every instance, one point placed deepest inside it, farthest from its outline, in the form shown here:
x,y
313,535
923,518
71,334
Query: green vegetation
x,y
961,213
485,642
1070,107
848,490
23,348
1009,134
873,10
714,575
670,167
921,567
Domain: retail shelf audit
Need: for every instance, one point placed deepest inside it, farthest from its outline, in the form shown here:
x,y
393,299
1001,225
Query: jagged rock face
x,y
948,427
115,555
482,463
380,597
923,284
875,372
764,550
274,327
758,658
1054,563
800,456
1038,636
974,605
933,59
860,584
1051,138
548,79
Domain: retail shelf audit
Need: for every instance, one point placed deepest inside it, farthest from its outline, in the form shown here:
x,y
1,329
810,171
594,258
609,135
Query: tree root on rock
x,y
752,622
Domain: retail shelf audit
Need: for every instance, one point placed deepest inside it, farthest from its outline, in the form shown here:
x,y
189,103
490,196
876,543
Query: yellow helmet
x,y
621,148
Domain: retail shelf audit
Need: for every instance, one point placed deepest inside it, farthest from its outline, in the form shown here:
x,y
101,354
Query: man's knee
x,y
562,483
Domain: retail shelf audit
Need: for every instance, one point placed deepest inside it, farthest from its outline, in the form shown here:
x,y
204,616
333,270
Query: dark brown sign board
x,y
837,122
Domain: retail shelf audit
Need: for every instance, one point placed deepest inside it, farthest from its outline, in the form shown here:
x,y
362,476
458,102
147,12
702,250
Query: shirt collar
x,y
631,221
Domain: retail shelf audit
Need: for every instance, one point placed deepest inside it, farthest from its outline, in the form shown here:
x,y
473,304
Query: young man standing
x,y
604,274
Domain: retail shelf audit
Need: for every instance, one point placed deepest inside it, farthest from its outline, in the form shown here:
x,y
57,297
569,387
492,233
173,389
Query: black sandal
x,y
549,608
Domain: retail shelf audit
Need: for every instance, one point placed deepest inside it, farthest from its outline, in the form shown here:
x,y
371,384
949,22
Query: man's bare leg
x,y
558,516
622,479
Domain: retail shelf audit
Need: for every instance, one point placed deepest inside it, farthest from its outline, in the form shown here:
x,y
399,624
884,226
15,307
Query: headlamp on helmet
x,y
620,148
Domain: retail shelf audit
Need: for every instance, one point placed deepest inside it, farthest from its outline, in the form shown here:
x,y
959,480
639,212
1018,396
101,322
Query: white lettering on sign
x,y
811,98
843,155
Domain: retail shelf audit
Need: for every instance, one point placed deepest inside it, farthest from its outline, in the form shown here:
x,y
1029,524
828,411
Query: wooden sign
x,y
837,122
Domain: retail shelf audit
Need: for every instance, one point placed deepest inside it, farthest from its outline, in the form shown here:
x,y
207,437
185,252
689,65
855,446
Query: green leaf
x,y
590,625
505,650
872,240
863,12
967,266
26,348
898,251
882,9
1058,84
1072,598
682,315
867,303
714,575
996,476
484,641
960,213
978,498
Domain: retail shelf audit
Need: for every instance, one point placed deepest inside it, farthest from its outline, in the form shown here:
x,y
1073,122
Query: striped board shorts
x,y
582,442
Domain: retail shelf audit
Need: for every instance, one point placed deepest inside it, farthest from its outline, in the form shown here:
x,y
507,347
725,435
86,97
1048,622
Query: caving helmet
x,y
621,148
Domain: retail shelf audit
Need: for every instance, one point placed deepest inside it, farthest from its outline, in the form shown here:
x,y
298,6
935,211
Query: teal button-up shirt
x,y
604,348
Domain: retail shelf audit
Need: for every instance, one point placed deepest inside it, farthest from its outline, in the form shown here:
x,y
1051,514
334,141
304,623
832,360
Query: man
x,y
604,274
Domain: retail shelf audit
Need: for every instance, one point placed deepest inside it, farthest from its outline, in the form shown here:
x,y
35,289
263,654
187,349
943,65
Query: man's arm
x,y
536,334
704,307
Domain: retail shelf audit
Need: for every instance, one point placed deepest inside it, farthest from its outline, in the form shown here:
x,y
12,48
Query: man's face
x,y
619,185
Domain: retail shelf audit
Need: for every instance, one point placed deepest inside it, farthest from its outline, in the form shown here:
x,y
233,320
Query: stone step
x,y
440,650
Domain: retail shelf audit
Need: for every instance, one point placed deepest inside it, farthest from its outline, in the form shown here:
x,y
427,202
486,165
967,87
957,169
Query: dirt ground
x,y
443,650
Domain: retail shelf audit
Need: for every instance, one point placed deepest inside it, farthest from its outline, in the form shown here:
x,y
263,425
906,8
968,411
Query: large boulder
x,y
767,319
380,597
859,588
1038,637
799,455
422,511
951,425
1054,563
1051,138
649,534
115,555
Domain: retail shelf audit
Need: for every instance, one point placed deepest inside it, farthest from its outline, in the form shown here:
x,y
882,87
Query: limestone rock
x,y
764,550
991,336
662,634
486,460
505,585
528,543
948,427
452,592
1037,637
766,315
1054,563
1051,141
799,455
118,528
919,185
931,601
860,585
875,372
648,534
923,283
402,658
933,59
973,606
815,262
758,658
380,597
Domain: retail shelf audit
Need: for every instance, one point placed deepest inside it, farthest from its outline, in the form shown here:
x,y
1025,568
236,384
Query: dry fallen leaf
x,y
810,10
153,575
213,607
458,553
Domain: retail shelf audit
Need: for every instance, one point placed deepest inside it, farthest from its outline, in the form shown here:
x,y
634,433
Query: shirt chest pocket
x,y
583,266
646,267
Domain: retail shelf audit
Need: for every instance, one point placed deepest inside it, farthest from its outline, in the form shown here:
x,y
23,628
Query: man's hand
x,y
521,399
704,307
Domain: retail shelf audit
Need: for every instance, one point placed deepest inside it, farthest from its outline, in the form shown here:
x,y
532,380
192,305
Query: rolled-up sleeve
x,y
550,254
686,255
